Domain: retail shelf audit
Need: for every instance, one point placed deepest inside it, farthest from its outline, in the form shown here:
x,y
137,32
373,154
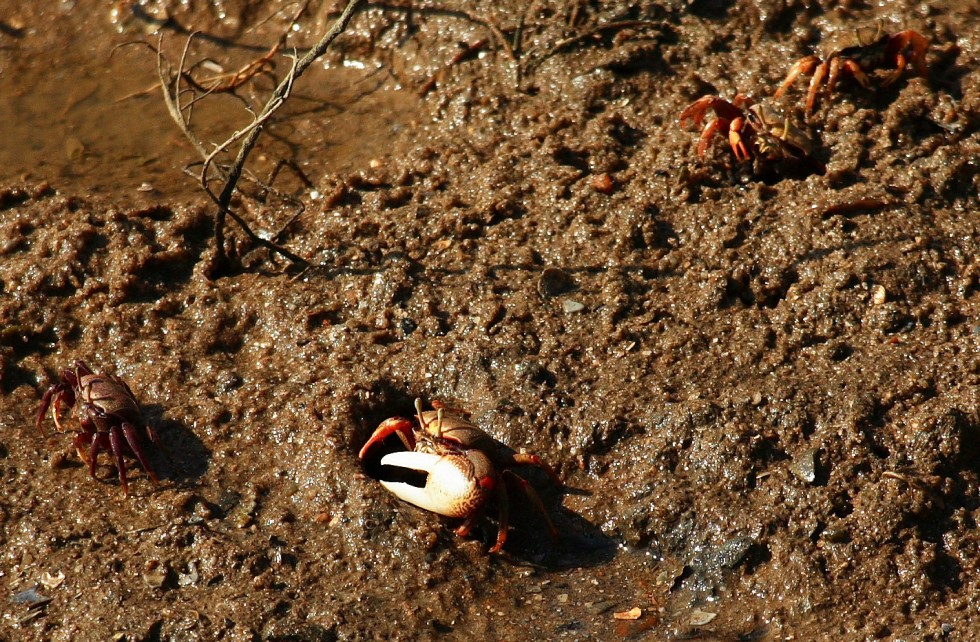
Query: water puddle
x,y
87,114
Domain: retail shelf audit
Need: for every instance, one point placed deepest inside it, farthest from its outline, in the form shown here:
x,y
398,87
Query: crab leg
x,y
802,67
709,130
90,456
907,47
45,404
503,516
463,530
722,108
528,459
116,447
535,499
133,441
818,75
735,139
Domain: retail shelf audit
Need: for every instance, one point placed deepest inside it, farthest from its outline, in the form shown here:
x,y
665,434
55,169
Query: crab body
x,y
892,52
109,418
463,468
754,130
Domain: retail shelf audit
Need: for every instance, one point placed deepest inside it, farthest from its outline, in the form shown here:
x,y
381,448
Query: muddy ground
x,y
758,380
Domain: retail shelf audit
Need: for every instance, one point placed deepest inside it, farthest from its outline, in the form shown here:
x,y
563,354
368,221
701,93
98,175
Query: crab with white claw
x,y
463,468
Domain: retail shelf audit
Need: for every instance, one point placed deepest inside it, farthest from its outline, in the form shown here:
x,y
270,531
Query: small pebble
x,y
700,618
50,581
553,281
155,574
603,183
58,460
879,295
805,466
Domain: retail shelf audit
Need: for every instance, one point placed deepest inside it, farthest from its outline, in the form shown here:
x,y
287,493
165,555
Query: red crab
x,y
753,130
108,415
463,467
889,51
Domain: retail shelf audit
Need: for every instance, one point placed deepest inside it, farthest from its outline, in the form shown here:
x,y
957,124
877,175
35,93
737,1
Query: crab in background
x,y
753,130
109,418
891,52
454,468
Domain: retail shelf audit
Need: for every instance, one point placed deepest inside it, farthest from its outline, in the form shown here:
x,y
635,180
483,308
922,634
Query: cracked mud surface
x,y
760,387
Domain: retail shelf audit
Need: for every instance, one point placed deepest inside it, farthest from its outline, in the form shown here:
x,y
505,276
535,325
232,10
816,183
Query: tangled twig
x,y
173,93
225,83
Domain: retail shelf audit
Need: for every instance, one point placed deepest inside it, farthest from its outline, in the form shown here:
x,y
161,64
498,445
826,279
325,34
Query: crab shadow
x,y
580,543
182,458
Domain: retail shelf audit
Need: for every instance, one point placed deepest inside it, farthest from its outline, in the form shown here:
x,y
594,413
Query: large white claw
x,y
451,487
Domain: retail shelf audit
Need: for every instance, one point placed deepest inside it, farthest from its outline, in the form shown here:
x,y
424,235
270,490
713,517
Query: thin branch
x,y
171,94
258,122
172,90
275,102
586,35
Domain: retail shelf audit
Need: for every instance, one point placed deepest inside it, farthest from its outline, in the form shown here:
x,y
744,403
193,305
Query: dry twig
x,y
173,94
588,34
229,82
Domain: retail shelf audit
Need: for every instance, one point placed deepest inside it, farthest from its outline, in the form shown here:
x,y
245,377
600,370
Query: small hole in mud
x,y
841,351
372,462
383,401
393,474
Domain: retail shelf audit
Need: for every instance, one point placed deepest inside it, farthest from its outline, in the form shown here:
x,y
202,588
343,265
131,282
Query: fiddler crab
x,y
754,130
108,416
895,52
457,466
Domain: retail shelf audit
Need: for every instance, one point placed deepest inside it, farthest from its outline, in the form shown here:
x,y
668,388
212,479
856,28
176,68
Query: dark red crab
x,y
108,415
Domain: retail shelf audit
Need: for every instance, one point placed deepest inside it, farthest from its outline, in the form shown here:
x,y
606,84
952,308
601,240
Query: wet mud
x,y
758,380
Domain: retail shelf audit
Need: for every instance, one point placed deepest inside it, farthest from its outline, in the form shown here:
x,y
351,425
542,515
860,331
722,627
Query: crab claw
x,y
396,425
456,484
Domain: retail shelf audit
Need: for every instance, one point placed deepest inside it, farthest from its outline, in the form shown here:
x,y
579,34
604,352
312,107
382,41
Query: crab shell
x,y
447,425
104,395
444,425
777,133
108,415
463,467
457,483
